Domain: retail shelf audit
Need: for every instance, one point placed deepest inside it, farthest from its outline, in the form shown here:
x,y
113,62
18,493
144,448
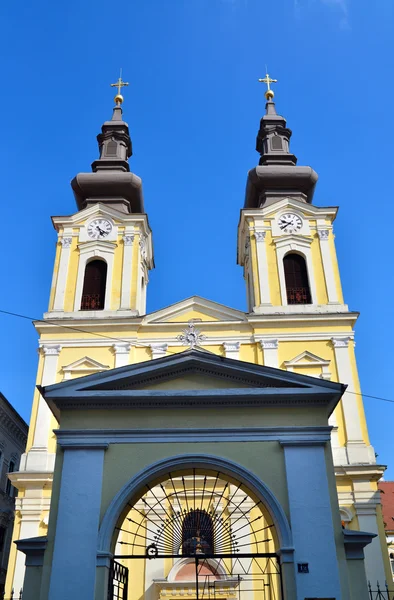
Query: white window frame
x,y
297,245
91,251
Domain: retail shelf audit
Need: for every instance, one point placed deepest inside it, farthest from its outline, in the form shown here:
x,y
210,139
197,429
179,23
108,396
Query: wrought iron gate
x,y
118,581
209,523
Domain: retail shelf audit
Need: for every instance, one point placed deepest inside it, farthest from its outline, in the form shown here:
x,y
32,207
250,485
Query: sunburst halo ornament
x,y
191,336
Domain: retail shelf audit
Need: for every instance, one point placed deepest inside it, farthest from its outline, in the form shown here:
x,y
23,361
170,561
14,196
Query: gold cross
x,y
269,94
119,84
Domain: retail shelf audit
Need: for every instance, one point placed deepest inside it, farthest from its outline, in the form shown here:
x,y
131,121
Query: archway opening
x,y
198,533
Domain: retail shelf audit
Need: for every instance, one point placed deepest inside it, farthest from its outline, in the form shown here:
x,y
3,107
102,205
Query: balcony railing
x,y
92,302
298,295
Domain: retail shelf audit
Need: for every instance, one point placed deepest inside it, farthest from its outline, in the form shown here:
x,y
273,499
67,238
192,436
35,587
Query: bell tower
x,y
104,251
285,243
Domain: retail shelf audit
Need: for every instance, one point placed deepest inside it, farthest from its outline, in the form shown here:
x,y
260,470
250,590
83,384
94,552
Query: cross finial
x,y
119,84
269,94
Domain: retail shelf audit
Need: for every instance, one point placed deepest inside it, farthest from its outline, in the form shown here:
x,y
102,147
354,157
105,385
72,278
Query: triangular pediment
x,y
307,359
197,308
83,366
191,378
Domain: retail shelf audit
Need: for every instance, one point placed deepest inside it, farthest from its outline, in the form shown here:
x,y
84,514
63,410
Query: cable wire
x,y
140,345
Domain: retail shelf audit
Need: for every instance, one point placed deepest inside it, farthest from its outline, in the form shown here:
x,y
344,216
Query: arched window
x,y
296,277
93,294
197,533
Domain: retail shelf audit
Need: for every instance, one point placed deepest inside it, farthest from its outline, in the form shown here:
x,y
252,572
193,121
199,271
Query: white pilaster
x,y
158,350
312,521
356,449
78,517
270,352
125,301
29,528
262,268
62,272
43,420
367,521
328,267
122,354
231,349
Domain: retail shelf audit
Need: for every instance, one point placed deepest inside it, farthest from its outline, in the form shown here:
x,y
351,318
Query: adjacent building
x,y
386,489
13,438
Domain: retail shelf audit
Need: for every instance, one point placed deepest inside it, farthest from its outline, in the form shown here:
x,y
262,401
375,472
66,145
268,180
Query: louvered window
x,y
296,276
93,295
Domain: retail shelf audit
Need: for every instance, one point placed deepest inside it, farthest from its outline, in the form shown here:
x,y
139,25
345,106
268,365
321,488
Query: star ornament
x,y
191,336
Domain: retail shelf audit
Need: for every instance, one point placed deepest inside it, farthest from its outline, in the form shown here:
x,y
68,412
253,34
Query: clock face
x,y
289,223
99,229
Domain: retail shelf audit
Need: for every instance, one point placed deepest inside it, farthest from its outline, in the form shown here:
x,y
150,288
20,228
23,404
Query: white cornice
x,y
304,207
104,210
296,435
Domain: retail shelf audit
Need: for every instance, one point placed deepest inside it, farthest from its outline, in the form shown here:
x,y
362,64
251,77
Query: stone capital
x,y
260,236
128,239
231,346
66,241
121,348
269,344
342,342
50,349
323,234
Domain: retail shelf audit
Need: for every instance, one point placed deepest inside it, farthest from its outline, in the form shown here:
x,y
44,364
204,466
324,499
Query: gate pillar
x,y
73,573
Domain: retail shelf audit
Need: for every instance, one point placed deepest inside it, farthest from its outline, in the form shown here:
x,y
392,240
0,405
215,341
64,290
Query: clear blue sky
x,y
193,106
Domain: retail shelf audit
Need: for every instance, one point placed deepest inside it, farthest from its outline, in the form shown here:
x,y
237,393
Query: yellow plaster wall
x,y
273,274
55,275
116,285
320,279
69,297
334,259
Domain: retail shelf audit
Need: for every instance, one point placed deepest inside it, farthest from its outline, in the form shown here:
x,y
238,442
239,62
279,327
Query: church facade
x,y
144,475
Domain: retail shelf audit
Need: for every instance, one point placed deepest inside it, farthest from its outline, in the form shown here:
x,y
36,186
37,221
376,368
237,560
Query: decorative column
x,y
125,299
122,354
311,520
270,352
73,573
331,287
231,350
357,451
158,350
62,271
44,415
262,268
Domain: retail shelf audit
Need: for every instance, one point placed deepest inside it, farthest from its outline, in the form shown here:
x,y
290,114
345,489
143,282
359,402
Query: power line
x,y
139,344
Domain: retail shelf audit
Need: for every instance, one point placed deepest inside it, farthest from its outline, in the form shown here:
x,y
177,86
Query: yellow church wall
x,y
256,287
55,275
69,296
334,259
12,555
116,285
68,355
250,353
320,279
357,389
134,271
273,275
36,399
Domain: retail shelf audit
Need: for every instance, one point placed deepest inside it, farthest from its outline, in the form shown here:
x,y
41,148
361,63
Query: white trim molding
x,y
87,252
307,359
328,268
300,245
262,267
83,366
127,272
62,269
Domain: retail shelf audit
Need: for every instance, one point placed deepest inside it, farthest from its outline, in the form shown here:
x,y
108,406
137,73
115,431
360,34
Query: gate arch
x,y
132,491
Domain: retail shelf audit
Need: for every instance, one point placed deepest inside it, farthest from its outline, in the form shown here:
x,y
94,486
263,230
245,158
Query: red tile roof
x,y
387,499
